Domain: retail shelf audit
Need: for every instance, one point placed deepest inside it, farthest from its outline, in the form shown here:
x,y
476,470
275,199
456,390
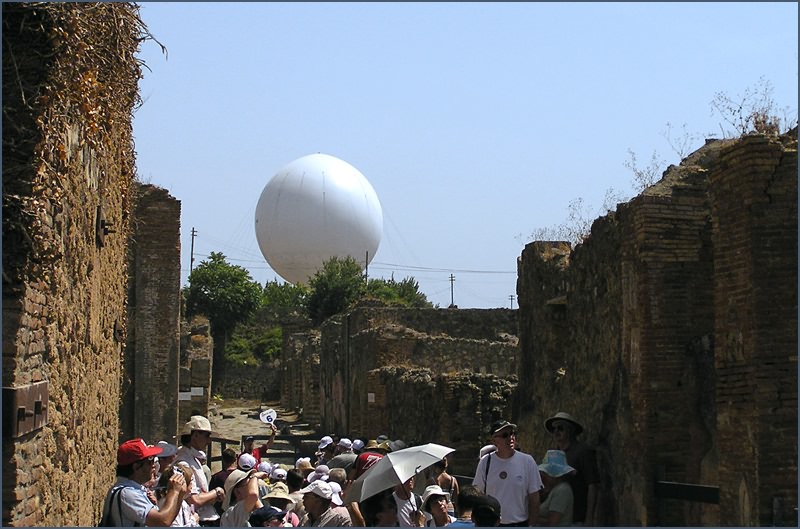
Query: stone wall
x,y
197,356
621,332
437,350
68,168
150,389
754,212
300,373
261,382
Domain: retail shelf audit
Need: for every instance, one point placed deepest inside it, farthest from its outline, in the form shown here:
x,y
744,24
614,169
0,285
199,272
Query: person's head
x,y
320,473
247,445
504,437
317,498
278,496
304,466
247,462
344,446
277,474
434,502
554,467
326,447
486,511
235,487
563,427
380,510
228,458
198,428
268,516
168,453
136,460
166,474
337,475
358,446
294,479
405,488
466,499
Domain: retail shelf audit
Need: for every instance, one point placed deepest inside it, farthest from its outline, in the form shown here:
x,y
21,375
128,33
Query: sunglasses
x,y
506,435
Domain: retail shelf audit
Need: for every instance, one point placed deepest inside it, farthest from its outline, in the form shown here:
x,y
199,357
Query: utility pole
x,y
511,298
191,259
452,280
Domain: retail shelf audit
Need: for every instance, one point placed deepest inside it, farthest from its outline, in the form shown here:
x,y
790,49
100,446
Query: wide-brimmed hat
x,y
500,425
432,490
304,463
233,479
555,464
562,416
135,450
197,422
320,473
279,491
372,444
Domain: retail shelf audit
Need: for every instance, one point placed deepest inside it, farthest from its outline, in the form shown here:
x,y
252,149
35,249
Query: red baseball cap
x,y
136,450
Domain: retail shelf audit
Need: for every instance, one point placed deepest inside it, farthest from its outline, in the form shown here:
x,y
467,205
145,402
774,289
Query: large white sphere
x,y
315,208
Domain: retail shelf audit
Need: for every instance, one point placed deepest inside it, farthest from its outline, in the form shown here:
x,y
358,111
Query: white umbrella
x,y
394,469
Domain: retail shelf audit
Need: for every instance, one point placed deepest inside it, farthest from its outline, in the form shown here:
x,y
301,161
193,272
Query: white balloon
x,y
315,208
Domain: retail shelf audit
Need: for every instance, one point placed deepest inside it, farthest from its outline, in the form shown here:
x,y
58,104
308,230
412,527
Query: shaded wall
x,y
68,168
633,332
150,388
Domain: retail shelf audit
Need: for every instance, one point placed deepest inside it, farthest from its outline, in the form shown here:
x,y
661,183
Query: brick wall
x,y
67,151
657,331
150,403
755,300
196,359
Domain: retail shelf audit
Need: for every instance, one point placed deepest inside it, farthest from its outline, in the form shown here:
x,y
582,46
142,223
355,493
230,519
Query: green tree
x,y
334,288
226,294
284,299
404,293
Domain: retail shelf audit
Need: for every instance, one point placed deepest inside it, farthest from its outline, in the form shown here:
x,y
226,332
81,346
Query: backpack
x,y
105,521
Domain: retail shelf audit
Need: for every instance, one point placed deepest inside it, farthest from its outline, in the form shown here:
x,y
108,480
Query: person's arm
x,y
591,499
533,508
355,515
251,500
172,503
265,447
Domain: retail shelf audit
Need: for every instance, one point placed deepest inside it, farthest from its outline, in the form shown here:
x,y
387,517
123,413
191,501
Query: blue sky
x,y
475,123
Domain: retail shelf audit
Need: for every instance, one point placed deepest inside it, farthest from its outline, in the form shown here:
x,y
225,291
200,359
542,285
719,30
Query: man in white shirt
x,y
194,439
510,476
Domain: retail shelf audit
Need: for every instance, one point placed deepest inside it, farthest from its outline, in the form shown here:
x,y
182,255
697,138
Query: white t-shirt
x,y
236,516
511,481
406,509
189,455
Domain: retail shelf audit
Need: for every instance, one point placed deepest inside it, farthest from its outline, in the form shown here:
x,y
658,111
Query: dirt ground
x,y
233,418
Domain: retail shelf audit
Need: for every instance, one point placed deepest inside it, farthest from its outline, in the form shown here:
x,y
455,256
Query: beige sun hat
x,y
197,422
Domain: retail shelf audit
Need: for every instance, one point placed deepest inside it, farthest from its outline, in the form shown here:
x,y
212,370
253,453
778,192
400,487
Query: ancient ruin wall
x,y
69,87
621,332
196,359
755,302
356,348
150,388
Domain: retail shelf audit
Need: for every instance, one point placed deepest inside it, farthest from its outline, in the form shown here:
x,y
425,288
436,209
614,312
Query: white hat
x,y
325,441
358,444
277,473
197,422
247,462
264,467
345,443
320,488
320,473
433,490
336,498
488,449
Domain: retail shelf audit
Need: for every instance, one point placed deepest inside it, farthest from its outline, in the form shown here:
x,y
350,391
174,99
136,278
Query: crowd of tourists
x,y
168,485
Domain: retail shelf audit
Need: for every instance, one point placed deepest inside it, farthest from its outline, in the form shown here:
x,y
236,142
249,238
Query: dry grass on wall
x,y
70,85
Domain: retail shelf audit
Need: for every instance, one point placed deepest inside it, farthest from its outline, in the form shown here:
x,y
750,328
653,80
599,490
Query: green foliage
x,y
340,284
253,343
224,292
334,288
283,299
404,293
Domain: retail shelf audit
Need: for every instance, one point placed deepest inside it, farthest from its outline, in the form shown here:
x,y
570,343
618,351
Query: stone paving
x,y
233,418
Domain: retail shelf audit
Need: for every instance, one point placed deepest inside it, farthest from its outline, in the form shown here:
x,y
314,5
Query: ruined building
x,y
671,332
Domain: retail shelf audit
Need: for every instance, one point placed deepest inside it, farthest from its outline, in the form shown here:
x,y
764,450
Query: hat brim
x,y
548,424
556,471
507,425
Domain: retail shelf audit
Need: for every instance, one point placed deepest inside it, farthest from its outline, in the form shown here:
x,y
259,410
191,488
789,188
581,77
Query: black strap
x,y
106,520
486,475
